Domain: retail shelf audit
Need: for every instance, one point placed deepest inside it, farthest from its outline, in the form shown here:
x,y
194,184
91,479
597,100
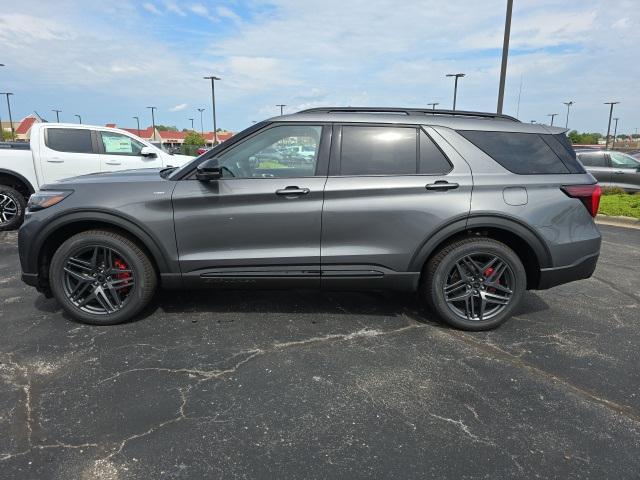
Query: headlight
x,y
46,198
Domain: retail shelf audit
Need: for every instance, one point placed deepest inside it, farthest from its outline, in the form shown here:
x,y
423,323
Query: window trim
x,y
94,150
103,150
335,163
322,162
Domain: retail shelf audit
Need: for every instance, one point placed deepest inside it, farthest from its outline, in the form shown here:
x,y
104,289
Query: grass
x,y
620,204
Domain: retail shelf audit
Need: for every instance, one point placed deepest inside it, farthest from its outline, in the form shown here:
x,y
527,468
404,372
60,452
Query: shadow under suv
x,y
467,209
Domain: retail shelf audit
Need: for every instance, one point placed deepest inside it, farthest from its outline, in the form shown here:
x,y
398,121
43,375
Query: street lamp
x,y
191,123
138,123
13,133
201,124
433,105
281,105
611,104
153,121
57,115
552,115
213,104
568,104
615,132
79,119
505,54
455,86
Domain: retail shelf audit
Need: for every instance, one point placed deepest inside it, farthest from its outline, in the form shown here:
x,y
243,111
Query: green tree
x,y
195,139
5,136
167,128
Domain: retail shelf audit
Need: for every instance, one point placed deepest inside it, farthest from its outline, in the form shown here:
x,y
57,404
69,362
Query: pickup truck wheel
x,y
474,284
12,205
101,277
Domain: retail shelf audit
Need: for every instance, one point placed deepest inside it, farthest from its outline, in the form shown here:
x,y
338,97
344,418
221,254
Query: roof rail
x,y
408,111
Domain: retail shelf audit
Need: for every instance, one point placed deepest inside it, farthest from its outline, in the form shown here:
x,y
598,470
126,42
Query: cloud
x,y
226,12
174,8
179,107
150,7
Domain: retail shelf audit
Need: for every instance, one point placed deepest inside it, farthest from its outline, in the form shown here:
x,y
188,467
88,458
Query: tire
x,y
483,291
12,206
129,277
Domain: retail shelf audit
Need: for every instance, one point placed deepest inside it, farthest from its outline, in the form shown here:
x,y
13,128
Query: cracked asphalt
x,y
325,385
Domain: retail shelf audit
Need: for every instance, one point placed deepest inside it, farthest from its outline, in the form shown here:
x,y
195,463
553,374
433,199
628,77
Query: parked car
x,y
58,150
612,169
202,150
467,209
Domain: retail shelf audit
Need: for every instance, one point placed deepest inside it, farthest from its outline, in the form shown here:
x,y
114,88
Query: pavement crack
x,y
463,426
616,288
362,333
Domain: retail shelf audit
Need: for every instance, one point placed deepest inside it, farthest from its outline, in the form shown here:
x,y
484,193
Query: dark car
x,y
467,209
612,169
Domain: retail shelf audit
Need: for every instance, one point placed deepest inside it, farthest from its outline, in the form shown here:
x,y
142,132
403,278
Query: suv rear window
x,y
525,153
74,140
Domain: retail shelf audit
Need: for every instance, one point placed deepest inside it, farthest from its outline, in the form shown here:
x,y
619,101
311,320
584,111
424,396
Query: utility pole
x,y
13,133
138,123
57,115
191,119
433,105
281,105
79,119
1,129
606,144
615,132
201,124
455,86
153,121
505,55
213,104
568,104
552,115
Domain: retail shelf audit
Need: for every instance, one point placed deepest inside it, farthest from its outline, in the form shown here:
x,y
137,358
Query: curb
x,y
627,222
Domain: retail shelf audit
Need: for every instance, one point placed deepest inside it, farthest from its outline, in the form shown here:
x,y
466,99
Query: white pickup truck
x,y
60,150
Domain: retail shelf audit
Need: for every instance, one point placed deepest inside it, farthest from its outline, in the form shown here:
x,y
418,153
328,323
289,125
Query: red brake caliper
x,y
120,265
487,273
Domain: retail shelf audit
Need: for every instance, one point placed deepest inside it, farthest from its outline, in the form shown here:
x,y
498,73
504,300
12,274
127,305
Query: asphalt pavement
x,y
296,384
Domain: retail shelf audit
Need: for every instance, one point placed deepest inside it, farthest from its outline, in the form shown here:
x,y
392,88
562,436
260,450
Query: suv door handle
x,y
55,160
292,191
619,172
441,185
113,163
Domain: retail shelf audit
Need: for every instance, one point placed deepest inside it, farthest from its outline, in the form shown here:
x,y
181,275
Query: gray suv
x,y
467,209
612,169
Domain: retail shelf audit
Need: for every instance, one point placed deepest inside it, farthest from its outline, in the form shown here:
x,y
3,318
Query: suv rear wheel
x,y
101,277
474,284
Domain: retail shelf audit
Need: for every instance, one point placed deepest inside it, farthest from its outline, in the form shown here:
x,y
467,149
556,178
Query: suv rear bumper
x,y
581,269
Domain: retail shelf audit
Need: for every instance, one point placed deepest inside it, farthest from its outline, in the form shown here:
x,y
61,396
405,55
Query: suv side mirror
x,y
209,170
147,152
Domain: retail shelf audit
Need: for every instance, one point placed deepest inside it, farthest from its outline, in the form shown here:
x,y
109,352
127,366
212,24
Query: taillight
x,y
589,195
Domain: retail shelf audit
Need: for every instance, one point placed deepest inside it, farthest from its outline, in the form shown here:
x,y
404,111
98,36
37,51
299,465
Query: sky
x,y
108,60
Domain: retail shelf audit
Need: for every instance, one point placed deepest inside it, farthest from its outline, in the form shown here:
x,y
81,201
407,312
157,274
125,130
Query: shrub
x,y
613,191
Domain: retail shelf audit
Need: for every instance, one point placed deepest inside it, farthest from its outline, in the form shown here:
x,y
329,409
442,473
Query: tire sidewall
x,y
135,301
21,204
437,298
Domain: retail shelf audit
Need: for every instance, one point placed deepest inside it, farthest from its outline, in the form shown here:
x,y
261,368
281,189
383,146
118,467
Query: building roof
x,y
222,136
25,125
170,134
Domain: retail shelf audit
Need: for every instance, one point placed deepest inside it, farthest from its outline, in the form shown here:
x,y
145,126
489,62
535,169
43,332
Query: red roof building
x,y
24,128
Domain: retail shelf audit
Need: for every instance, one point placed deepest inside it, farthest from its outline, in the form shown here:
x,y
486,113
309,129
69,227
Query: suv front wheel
x,y
101,277
474,284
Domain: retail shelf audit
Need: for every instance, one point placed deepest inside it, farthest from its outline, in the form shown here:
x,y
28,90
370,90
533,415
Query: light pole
x,y
455,86
79,119
505,55
1,130
153,121
201,124
57,115
552,115
568,104
138,123
615,132
213,104
606,143
13,133
281,105
433,105
191,123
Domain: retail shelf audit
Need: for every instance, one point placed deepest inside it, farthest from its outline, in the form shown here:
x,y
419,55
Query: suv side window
x,y
622,160
592,159
368,150
521,153
282,151
72,140
118,144
432,160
